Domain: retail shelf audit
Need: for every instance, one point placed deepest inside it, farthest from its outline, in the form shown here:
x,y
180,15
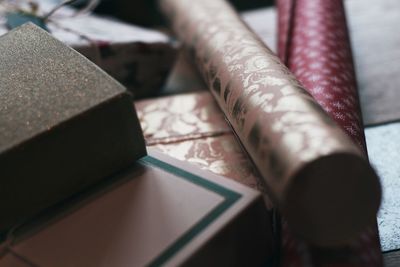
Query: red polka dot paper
x,y
314,43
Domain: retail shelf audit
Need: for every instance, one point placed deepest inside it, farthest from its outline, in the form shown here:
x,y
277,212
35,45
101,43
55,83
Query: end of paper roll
x,y
332,199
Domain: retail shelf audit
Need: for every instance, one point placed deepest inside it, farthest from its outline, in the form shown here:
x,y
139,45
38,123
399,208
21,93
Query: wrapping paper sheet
x,y
314,43
281,127
191,127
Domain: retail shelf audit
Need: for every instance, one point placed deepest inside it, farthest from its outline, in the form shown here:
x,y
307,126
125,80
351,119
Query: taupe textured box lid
x,y
43,83
64,124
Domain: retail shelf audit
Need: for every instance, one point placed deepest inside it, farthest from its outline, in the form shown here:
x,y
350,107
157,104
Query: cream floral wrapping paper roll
x,y
314,43
304,157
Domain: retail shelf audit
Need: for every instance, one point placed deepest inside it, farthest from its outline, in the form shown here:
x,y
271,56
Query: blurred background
x,y
145,13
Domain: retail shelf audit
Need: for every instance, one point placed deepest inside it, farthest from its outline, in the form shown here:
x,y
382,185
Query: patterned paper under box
x,y
160,212
191,127
138,58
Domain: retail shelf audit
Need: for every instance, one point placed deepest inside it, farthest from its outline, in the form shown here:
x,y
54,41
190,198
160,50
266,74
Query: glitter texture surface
x,y
64,125
43,83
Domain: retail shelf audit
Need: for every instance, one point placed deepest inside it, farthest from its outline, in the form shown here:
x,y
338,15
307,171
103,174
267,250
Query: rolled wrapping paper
x,y
313,41
314,173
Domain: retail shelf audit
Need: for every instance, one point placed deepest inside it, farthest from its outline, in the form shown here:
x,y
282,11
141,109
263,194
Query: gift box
x,y
139,58
159,212
64,125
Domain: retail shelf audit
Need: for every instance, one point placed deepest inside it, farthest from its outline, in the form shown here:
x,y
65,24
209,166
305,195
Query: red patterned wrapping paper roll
x,y
313,41
304,157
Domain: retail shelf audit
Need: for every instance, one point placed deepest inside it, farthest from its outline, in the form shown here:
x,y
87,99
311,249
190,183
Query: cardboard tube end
x,y
332,199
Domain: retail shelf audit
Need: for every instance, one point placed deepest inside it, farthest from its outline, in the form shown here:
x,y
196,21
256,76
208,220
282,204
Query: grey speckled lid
x,y
43,83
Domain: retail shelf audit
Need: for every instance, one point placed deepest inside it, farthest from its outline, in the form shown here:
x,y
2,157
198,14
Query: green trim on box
x,y
230,197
